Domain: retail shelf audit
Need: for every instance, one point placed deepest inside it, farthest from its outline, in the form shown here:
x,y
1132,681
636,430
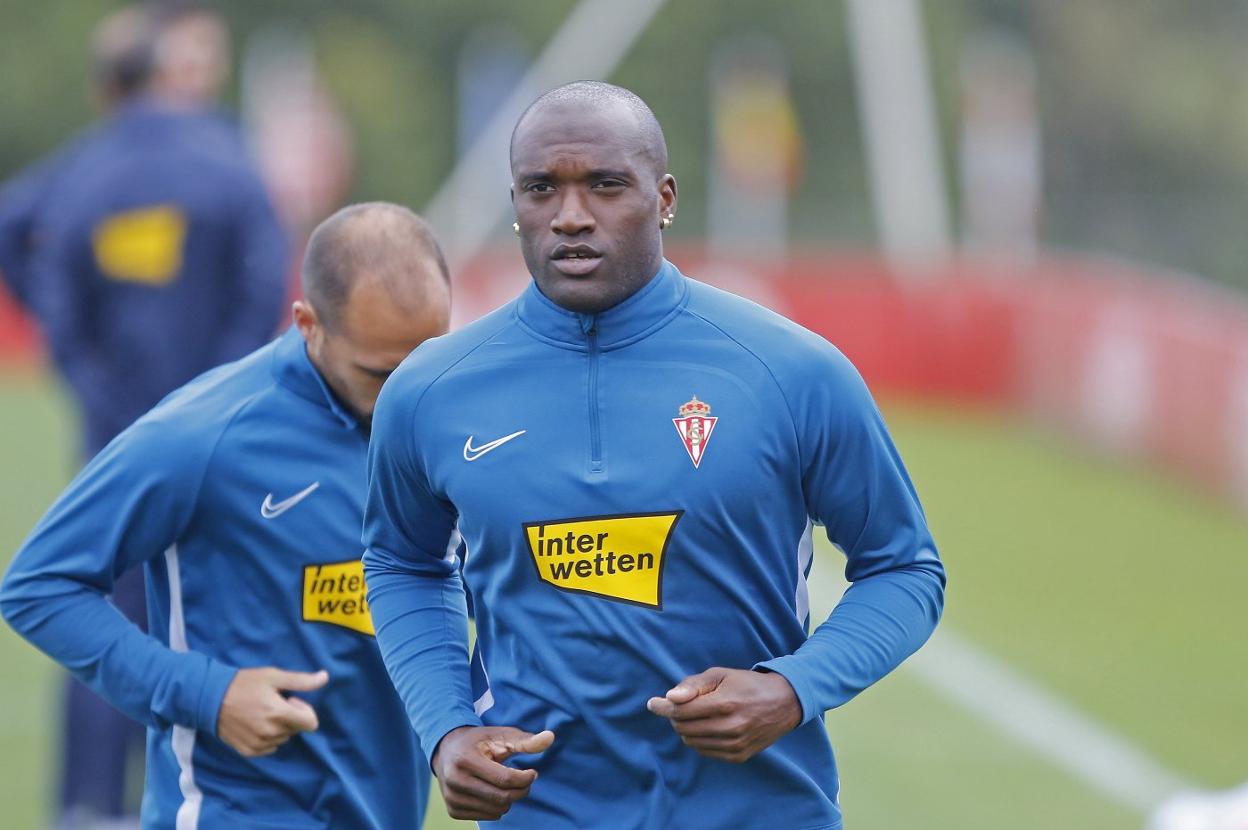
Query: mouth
x,y
576,260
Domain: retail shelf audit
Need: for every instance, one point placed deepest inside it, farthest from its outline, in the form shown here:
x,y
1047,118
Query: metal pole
x,y
900,129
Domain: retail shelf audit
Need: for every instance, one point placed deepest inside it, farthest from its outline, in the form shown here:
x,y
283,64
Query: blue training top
x,y
242,495
637,491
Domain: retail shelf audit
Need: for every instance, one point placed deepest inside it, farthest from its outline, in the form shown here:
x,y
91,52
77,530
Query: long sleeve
x,y
62,300
20,199
259,256
856,486
414,589
125,508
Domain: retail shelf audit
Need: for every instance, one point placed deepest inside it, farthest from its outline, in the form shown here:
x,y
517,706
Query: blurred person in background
x,y
121,56
149,252
253,596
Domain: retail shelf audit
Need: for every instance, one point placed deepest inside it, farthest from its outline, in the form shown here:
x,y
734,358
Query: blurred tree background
x,y
1143,106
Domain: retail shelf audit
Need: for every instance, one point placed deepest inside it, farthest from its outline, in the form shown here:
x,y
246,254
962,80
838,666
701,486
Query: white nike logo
x,y
269,510
472,453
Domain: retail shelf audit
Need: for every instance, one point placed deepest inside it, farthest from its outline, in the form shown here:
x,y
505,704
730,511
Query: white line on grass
x,y
991,691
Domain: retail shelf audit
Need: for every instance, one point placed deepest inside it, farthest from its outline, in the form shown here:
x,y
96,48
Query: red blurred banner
x,y
1137,362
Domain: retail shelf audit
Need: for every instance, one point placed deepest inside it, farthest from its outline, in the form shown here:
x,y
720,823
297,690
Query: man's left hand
x,y
730,714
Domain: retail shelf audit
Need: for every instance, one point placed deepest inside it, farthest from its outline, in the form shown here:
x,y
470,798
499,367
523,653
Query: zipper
x,y
595,432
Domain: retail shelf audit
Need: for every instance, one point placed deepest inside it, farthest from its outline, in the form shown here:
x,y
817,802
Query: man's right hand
x,y
256,718
468,763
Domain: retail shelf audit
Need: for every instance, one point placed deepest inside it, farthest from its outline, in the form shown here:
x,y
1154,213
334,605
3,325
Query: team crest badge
x,y
695,426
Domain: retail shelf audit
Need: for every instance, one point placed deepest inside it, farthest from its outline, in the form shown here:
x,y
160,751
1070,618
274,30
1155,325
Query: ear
x,y
307,322
667,195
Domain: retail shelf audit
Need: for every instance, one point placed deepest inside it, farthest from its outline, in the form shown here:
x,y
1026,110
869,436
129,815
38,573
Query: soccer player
x,y
149,252
636,463
242,494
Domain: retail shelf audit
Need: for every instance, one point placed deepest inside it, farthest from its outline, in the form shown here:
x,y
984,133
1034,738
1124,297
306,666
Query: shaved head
x,y
378,242
597,96
375,287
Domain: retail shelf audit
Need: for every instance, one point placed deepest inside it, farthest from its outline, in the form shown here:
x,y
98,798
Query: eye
x,y
539,187
608,184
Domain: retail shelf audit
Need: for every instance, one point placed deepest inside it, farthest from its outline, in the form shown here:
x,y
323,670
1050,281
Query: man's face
x,y
588,200
370,340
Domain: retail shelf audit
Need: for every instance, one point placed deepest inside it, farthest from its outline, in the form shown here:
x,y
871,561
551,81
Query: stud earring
x,y
667,221
515,227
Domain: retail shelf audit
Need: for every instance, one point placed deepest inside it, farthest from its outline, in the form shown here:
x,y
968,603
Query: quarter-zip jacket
x,y
649,515
242,495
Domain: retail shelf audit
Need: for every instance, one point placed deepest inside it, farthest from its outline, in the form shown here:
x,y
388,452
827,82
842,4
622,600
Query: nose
x,y
573,216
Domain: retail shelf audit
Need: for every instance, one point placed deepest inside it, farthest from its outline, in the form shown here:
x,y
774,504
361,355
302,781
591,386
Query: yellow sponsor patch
x,y
143,245
617,557
335,593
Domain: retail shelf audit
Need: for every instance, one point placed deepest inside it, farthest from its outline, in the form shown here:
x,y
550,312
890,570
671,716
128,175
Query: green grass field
x,y
1116,589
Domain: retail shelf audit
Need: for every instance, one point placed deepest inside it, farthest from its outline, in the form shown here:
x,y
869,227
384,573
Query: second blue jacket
x,y
241,496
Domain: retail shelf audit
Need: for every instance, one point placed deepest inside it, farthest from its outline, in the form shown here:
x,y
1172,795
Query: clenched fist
x,y
730,714
468,763
256,718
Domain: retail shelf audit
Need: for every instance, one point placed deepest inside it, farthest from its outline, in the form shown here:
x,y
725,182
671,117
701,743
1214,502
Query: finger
x,y
298,681
700,708
296,715
467,808
708,728
714,744
508,742
259,750
661,706
495,788
496,776
696,685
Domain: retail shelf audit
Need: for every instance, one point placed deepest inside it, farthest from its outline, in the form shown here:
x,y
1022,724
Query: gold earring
x,y
515,227
667,221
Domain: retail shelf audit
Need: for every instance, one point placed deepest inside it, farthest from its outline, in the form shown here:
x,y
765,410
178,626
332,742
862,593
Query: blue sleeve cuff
x,y
217,679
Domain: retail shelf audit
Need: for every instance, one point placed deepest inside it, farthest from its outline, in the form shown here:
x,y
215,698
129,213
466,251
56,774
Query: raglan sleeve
x,y
125,508
414,590
856,486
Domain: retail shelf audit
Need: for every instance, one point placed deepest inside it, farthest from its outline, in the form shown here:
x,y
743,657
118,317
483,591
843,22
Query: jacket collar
x,y
645,312
294,370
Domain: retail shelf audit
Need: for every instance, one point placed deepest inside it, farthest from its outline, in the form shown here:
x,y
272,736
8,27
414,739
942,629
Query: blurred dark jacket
x,y
21,198
157,255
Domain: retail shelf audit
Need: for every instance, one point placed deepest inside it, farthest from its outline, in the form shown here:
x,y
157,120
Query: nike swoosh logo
x,y
269,510
472,453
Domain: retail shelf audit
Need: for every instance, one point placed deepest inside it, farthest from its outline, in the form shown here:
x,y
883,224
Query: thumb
x,y
298,715
299,681
511,741
696,685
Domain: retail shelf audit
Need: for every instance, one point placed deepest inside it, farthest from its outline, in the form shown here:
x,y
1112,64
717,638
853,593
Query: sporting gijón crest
x,y
695,426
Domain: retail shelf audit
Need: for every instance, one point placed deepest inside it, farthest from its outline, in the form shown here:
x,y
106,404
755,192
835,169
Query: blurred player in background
x,y
149,251
242,497
159,255
121,56
635,462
